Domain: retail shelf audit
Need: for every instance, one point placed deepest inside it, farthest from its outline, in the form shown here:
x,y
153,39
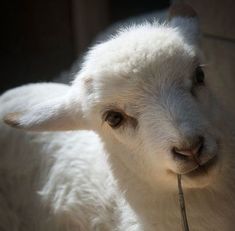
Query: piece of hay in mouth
x,y
184,220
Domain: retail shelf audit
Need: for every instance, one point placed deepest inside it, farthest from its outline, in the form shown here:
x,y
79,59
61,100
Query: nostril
x,y
178,155
200,145
190,152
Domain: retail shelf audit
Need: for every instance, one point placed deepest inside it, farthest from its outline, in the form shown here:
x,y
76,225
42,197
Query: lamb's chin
x,y
202,176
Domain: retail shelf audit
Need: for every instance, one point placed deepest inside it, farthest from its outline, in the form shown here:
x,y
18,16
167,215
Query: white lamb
x,y
150,115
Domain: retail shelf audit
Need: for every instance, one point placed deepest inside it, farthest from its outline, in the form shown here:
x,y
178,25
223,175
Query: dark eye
x,y
114,119
199,76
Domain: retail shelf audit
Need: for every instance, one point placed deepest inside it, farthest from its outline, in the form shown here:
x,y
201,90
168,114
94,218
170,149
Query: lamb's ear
x,y
185,18
54,115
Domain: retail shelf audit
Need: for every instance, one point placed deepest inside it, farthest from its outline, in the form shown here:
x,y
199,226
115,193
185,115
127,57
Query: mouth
x,y
201,175
202,170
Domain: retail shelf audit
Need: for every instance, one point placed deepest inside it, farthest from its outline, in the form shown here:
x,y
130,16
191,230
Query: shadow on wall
x,y
39,38
36,42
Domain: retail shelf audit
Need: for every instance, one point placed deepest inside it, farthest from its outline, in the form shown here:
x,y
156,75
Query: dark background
x,y
40,40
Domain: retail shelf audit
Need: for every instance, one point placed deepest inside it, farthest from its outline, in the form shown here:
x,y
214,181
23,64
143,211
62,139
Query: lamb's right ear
x,y
184,17
55,115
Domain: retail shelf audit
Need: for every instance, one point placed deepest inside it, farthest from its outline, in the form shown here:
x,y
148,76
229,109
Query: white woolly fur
x,y
72,171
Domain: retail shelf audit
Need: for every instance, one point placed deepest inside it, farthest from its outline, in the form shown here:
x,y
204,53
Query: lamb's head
x,y
143,91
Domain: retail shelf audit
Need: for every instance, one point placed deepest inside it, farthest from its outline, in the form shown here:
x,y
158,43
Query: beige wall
x,y
217,20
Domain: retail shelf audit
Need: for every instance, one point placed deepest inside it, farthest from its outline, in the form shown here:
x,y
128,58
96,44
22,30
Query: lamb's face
x,y
150,102
144,92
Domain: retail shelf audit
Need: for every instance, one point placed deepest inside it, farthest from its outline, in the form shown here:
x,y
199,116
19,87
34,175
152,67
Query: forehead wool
x,y
135,49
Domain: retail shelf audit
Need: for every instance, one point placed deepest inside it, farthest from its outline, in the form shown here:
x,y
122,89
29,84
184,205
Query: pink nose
x,y
190,153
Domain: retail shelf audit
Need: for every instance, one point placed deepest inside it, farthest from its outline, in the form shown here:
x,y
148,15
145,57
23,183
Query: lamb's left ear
x,y
185,18
54,115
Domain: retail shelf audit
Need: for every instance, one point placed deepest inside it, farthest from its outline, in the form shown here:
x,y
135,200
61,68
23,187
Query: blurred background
x,y
41,40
